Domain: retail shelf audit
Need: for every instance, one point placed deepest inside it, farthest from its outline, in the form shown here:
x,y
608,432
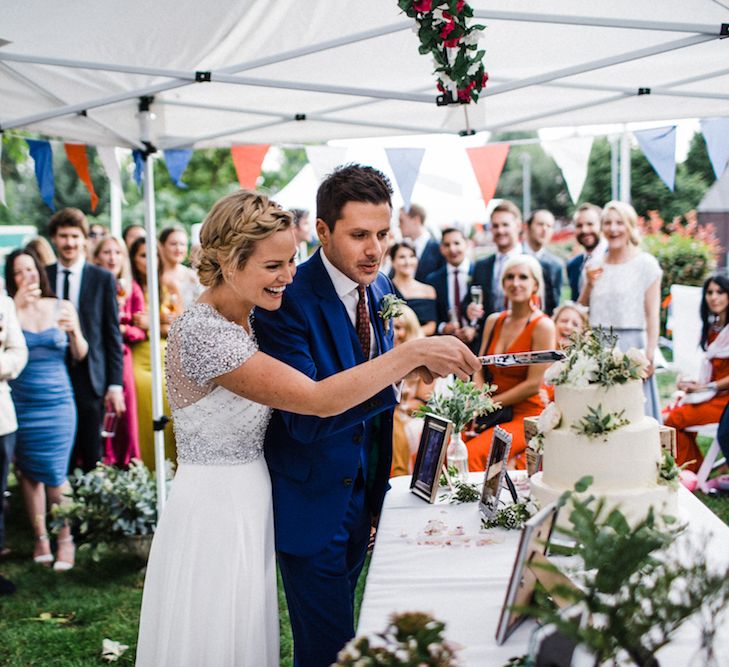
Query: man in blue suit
x,y
427,249
587,233
329,476
539,230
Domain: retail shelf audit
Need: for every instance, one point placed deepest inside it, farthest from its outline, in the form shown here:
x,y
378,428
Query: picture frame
x,y
493,479
431,456
532,549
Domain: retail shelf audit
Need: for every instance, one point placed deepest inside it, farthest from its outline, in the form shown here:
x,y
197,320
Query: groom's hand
x,y
446,354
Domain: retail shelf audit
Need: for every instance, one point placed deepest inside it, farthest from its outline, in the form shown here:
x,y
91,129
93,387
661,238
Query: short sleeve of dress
x,y
210,345
650,270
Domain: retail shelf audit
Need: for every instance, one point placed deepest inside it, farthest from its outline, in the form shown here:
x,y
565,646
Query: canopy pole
x,y
115,204
625,166
153,305
614,169
526,177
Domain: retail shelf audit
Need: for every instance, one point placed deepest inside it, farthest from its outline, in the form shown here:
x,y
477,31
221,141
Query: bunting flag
x,y
248,160
2,183
110,161
405,164
572,157
325,159
488,163
177,161
716,136
138,158
659,146
42,155
76,154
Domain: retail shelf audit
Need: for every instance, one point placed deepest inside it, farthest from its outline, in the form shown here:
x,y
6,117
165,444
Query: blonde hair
x,y
125,275
628,216
43,249
412,325
582,312
534,266
231,230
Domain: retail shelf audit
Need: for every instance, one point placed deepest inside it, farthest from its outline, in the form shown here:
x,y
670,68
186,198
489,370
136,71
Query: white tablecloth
x,y
463,584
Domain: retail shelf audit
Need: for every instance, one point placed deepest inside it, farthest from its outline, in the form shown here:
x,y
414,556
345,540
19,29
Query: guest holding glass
x,y
706,397
421,297
142,359
623,290
43,399
180,286
522,328
111,254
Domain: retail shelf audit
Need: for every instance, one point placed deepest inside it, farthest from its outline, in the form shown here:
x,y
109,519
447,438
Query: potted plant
x,y
112,507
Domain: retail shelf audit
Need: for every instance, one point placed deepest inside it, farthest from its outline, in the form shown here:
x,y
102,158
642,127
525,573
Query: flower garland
x,y
443,30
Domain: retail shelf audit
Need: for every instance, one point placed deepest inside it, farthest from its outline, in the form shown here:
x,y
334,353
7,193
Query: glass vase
x,y
457,454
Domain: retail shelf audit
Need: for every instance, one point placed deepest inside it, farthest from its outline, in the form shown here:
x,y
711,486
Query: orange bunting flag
x,y
76,154
248,160
488,163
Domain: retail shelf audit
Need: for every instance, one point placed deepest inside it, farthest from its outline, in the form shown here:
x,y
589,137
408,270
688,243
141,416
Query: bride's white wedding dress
x,y
210,590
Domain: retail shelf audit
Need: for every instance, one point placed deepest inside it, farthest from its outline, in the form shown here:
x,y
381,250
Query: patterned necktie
x,y
363,322
457,295
66,284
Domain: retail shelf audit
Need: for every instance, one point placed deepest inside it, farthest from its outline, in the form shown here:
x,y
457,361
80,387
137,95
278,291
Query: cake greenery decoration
x,y
512,517
634,585
668,471
593,358
460,403
595,423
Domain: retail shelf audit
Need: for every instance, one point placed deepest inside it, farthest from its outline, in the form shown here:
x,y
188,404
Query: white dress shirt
x,y
74,280
463,272
420,243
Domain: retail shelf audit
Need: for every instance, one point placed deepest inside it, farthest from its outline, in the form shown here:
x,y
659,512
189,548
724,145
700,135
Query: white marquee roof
x,y
352,69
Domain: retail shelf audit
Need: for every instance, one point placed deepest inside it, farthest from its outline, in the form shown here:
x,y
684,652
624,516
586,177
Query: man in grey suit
x,y
427,249
538,234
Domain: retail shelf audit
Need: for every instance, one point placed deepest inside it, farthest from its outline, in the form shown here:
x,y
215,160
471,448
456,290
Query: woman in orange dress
x,y
707,397
522,328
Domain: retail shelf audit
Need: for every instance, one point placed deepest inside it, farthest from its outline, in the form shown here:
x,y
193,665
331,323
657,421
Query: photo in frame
x,y
431,456
530,557
493,479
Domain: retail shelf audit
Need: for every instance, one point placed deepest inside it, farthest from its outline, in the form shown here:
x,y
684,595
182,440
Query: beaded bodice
x,y
212,425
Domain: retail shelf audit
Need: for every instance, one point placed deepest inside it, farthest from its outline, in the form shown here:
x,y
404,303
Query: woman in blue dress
x,y
419,296
43,399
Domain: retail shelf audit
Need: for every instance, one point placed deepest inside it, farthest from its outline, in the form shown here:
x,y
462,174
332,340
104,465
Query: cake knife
x,y
522,358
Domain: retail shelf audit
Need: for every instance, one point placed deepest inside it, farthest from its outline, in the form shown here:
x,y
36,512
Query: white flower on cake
x,y
583,371
639,360
553,372
549,419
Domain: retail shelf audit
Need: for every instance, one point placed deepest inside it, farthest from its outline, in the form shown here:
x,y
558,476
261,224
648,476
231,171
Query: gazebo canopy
x,y
256,71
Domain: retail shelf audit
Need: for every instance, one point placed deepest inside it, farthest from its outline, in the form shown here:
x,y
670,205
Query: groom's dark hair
x,y
351,182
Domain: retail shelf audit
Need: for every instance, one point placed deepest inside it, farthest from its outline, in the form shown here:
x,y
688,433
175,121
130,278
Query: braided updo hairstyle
x,y
231,230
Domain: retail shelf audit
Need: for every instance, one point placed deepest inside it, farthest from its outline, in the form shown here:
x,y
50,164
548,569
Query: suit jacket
x,y
574,270
439,280
13,357
431,260
314,461
552,268
99,317
483,273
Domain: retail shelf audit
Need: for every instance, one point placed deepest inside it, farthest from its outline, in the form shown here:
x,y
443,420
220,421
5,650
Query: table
x,y
464,584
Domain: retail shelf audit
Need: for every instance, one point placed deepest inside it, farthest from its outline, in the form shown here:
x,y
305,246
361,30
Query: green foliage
x,y
464,492
411,639
668,471
595,423
460,403
511,517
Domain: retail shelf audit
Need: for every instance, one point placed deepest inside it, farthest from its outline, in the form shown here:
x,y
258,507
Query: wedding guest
x,y
43,399
42,249
414,392
705,398
419,296
13,357
623,290
131,233
179,283
302,233
427,249
522,328
97,233
587,234
538,234
142,360
97,377
111,254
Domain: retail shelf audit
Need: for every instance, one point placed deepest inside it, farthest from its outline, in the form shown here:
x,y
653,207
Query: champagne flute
x,y
477,298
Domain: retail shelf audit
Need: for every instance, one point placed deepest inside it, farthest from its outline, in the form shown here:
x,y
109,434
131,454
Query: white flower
x,y
111,650
583,371
551,374
618,356
639,361
549,419
438,14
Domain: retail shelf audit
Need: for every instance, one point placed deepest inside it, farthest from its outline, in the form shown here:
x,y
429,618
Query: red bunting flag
x,y
248,160
488,163
76,154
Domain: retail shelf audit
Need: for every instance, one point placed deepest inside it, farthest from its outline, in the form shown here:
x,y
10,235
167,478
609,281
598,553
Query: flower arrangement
x,y
595,423
460,403
512,517
444,32
108,505
412,639
391,308
668,471
593,358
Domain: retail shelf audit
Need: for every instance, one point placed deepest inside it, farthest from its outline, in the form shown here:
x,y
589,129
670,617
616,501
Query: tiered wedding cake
x,y
596,427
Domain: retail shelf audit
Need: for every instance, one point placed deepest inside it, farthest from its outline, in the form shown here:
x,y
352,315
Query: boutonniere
x,y
390,307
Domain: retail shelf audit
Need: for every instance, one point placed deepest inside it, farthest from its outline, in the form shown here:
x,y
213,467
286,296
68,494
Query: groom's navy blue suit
x,y
328,475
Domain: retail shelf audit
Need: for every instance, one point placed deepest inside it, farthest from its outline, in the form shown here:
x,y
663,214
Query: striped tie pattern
x,y
363,322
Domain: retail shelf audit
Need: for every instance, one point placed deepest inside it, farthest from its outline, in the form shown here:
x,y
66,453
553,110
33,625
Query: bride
x,y
210,593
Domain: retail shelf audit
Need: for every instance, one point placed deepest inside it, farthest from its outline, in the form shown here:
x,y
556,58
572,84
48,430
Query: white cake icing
x,y
623,463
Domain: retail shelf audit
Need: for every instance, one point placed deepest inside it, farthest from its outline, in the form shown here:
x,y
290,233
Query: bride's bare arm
x,y
271,382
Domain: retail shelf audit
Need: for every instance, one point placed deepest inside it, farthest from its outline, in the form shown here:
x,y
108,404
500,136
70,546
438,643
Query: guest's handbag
x,y
503,414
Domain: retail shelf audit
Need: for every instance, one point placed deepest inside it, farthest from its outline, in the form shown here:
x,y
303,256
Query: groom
x,y
329,475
